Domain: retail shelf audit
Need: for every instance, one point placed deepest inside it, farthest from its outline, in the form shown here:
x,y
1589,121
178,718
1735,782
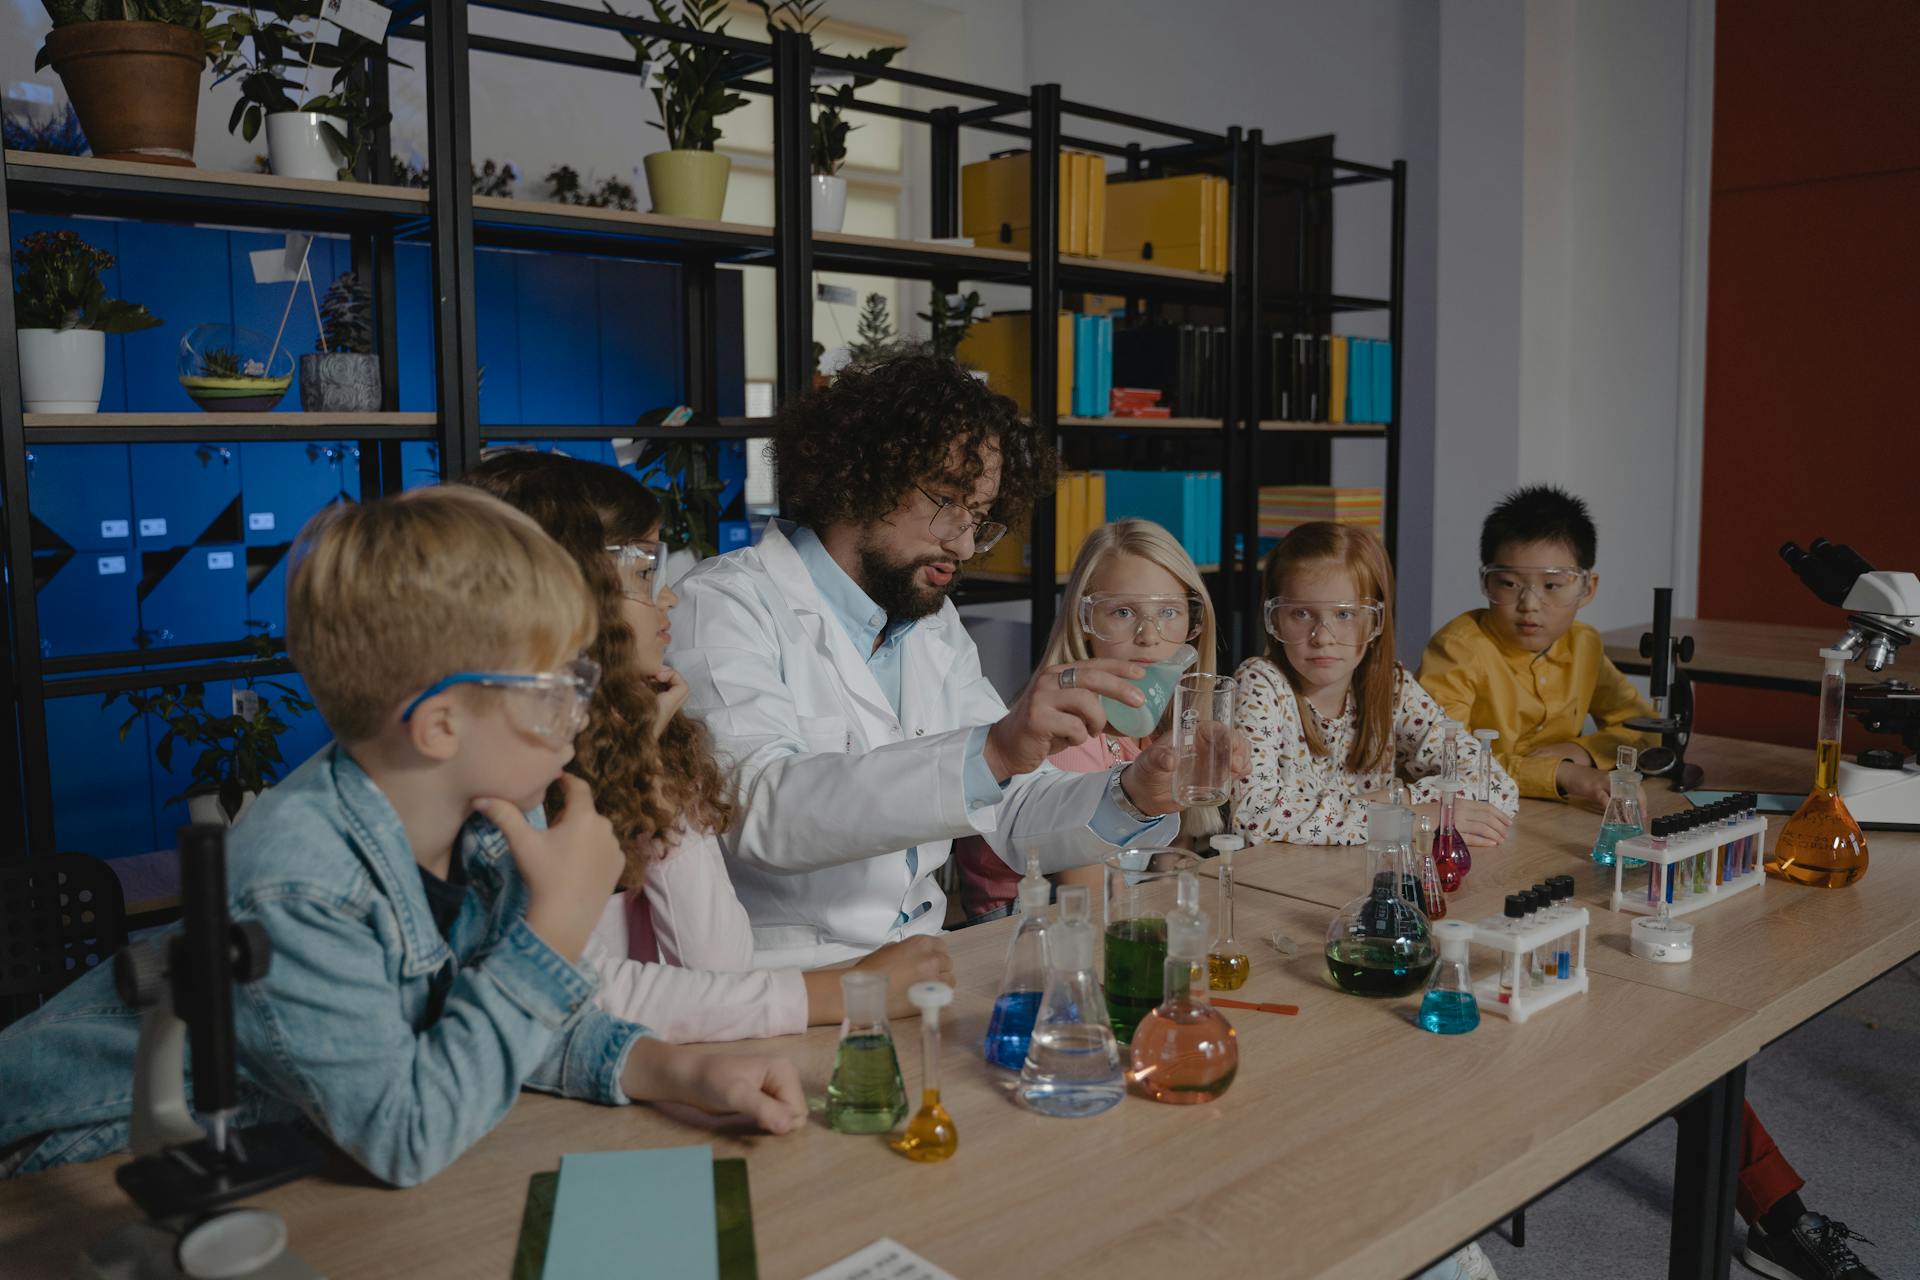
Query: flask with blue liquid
x,y
1011,1026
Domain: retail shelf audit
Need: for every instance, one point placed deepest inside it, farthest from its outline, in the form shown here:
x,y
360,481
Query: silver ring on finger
x,y
1069,677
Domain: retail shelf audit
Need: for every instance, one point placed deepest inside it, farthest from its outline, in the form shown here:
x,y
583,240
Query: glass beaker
x,y
866,1093
1202,739
1449,1007
1157,684
1025,980
1184,1051
1381,943
1822,845
930,1135
1073,1063
1141,886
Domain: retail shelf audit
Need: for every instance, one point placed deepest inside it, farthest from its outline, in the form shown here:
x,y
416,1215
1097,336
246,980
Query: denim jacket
x,y
401,1048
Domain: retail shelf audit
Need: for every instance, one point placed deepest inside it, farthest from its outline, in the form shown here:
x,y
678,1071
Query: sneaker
x,y
1816,1249
1474,1264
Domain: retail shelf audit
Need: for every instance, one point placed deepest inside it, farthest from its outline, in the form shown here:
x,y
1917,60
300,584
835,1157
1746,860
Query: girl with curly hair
x,y
674,948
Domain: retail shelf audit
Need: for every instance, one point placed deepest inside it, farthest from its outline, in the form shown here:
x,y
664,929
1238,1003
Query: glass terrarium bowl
x,y
225,369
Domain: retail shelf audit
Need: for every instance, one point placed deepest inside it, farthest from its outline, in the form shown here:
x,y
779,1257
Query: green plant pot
x,y
688,184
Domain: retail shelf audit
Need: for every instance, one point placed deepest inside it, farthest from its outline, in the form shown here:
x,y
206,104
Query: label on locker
x,y
219,559
259,520
113,528
153,528
110,565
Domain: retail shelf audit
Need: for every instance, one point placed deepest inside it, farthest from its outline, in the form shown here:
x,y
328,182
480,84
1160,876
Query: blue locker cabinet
x,y
81,496
185,494
283,484
102,788
267,590
193,596
89,602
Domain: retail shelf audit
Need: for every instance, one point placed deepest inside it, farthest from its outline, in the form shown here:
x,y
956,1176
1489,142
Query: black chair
x,y
59,917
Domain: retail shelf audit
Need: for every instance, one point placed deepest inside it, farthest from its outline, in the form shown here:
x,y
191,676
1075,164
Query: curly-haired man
x,y
846,698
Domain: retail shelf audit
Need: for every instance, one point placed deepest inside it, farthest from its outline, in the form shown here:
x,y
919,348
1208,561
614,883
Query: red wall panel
x,y
1813,337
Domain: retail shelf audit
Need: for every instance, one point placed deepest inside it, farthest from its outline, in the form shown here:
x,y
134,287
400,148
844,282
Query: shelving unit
x,y
452,222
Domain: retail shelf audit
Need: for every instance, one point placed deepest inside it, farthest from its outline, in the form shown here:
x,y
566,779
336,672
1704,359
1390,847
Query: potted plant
x,y
687,80
949,316
239,752
132,71
322,135
227,369
827,134
874,337
63,315
342,373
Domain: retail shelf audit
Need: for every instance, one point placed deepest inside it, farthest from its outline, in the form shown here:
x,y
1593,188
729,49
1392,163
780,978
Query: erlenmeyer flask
x,y
866,1093
1822,845
1073,1062
1623,819
1449,1007
1026,977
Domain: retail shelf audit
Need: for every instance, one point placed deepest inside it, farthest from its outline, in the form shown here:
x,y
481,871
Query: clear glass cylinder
x,y
1202,739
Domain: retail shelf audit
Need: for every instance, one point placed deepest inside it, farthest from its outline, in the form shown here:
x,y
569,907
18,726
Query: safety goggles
x,y
1353,622
1561,587
548,704
642,569
951,522
1118,618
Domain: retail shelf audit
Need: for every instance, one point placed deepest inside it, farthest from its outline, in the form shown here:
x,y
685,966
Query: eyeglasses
x,y
951,521
1118,618
641,567
1555,588
1343,621
550,704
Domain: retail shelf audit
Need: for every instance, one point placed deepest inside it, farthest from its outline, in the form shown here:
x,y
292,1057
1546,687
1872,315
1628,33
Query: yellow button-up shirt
x,y
1534,700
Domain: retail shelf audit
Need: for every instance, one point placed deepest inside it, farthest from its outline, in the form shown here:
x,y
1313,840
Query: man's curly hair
x,y
848,452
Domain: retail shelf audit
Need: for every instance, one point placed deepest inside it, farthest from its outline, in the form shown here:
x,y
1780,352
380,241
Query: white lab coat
x,y
832,787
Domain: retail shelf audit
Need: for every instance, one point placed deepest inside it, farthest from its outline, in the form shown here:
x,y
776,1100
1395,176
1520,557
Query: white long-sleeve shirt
x,y
704,987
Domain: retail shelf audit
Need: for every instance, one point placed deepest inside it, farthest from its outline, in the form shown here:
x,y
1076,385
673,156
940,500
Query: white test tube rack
x,y
1516,948
1718,881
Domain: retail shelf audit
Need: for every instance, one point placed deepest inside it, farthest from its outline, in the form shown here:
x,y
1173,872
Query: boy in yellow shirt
x,y
1524,665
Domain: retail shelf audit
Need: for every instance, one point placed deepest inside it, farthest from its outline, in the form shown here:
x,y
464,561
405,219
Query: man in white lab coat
x,y
845,696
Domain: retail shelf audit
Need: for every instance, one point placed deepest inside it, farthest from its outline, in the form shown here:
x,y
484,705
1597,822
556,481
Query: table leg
x,y
1706,1168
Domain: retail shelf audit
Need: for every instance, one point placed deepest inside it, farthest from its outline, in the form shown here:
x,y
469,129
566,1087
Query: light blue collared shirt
x,y
866,624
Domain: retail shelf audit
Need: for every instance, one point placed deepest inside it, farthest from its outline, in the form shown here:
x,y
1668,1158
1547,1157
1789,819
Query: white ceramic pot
x,y
829,202
297,149
205,807
62,370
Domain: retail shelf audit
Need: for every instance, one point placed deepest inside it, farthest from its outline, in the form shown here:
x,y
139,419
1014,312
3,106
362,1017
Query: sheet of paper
x,y
362,17
615,1211
884,1259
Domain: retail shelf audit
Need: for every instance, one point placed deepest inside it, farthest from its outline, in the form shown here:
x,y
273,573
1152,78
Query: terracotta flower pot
x,y
135,86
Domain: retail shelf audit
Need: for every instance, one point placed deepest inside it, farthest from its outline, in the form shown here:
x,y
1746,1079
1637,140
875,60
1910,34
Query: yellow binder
x,y
996,202
1170,215
1002,348
1337,375
1222,204
1096,205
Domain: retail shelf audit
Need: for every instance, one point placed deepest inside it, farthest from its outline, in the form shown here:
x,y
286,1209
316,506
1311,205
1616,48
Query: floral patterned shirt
x,y
1300,798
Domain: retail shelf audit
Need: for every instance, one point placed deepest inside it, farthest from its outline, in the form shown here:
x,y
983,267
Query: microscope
x,y
1672,695
1881,787
184,1175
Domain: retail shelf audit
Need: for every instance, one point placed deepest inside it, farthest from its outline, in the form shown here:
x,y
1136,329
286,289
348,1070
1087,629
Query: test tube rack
x,y
1718,882
1516,946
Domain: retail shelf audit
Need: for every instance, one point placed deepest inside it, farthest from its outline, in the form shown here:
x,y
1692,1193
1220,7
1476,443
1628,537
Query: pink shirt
x,y
703,986
986,882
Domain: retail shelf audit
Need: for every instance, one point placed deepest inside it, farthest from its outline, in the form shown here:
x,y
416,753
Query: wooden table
x,y
1317,1162
1763,655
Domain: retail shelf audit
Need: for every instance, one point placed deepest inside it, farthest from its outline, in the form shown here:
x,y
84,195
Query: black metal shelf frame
x,y
376,214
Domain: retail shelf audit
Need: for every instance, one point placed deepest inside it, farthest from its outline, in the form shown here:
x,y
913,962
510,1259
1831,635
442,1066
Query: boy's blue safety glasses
x,y
552,704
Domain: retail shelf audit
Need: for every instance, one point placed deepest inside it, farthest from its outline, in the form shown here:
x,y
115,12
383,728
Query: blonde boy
x,y
426,935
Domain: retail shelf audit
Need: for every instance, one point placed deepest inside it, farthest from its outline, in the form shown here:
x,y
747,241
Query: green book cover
x,y
733,1216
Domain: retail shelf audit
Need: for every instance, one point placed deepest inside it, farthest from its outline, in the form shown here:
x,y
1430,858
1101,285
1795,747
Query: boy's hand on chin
x,y
571,868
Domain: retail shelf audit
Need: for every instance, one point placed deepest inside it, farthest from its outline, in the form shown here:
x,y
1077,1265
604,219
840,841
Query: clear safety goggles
x,y
548,704
1118,618
642,567
1561,587
1352,622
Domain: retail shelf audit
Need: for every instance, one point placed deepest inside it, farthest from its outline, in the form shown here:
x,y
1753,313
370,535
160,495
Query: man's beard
x,y
894,589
